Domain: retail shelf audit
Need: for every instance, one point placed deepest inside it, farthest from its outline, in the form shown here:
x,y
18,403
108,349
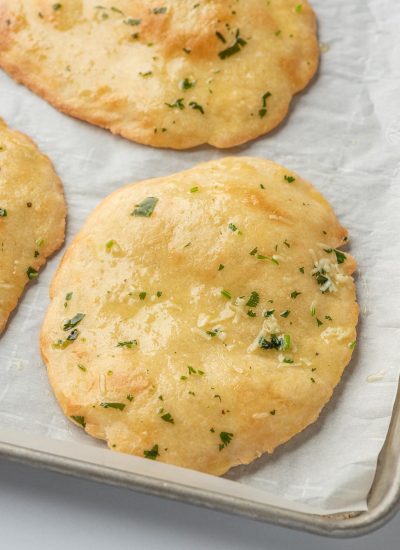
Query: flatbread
x,y
32,215
203,318
168,74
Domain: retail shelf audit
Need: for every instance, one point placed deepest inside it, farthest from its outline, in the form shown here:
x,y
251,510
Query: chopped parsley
x,y
226,438
221,37
57,6
71,323
221,267
196,106
226,293
235,48
251,313
129,344
285,313
3,212
340,256
117,406
157,11
186,84
168,418
282,343
177,105
352,345
263,111
132,22
319,323
233,227
32,273
253,300
194,189
294,294
68,297
159,293
301,269
254,251
130,397
289,179
142,295
152,454
82,367
79,420
269,312
145,208
298,8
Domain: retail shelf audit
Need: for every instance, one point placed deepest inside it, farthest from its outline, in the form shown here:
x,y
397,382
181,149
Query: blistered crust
x,y
154,74
173,334
32,215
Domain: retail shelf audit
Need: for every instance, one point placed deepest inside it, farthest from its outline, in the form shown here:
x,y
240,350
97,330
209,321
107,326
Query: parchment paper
x,y
343,134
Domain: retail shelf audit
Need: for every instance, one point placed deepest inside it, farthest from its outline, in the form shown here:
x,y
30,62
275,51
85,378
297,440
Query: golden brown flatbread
x,y
32,215
168,74
203,318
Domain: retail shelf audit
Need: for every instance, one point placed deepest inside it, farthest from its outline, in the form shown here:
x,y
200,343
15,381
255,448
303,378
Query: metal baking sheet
x,y
153,478
344,125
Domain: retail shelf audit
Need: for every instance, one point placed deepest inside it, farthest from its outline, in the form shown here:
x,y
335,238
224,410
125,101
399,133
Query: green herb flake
x,y
294,294
221,37
177,105
254,251
226,438
57,7
152,454
235,48
196,107
168,418
233,227
186,84
289,179
32,273
269,313
129,344
79,420
130,397
81,367
352,345
146,75
286,243
253,300
3,212
71,323
117,406
273,412
298,8
159,293
301,269
145,208
288,360
157,11
221,267
194,189
285,313
263,111
226,294
251,313
319,323
142,295
132,22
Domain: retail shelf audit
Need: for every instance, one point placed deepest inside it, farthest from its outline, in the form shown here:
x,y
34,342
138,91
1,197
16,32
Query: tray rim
x,y
384,498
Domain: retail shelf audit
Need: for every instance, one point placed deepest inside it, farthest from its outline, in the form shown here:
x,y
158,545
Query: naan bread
x,y
168,74
32,215
203,318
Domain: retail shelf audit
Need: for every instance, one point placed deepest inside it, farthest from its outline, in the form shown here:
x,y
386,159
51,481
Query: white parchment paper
x,y
343,134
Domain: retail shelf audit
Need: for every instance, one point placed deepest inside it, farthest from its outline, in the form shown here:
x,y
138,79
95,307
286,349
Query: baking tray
x,y
151,478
